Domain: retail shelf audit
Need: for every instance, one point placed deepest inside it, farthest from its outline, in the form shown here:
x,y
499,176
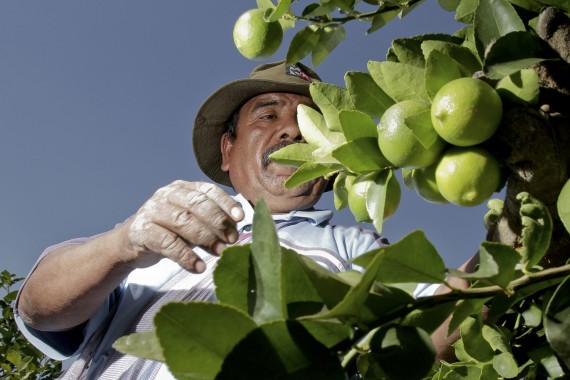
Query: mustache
x,y
265,161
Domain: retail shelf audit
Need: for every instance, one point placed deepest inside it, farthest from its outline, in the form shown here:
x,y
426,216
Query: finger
x,y
167,244
213,193
193,228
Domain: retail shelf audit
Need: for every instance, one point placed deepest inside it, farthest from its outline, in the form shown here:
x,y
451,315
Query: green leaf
x,y
366,95
329,333
563,205
465,11
412,259
429,319
196,337
514,52
494,19
316,10
499,339
407,178
368,368
409,50
441,69
267,266
536,230
340,189
353,302
330,37
302,44
376,197
278,11
301,297
294,154
330,99
375,70
313,127
531,5
142,344
521,87
544,355
281,350
421,126
393,346
381,20
463,55
532,316
464,309
265,4
361,156
497,263
557,322
473,342
356,125
468,35
331,286
234,278
449,5
403,81
287,23
562,4
309,171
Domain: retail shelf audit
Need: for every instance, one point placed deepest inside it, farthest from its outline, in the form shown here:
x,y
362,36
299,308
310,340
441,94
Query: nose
x,y
290,131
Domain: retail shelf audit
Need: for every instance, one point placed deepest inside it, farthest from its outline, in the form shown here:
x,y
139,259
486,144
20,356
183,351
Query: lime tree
x,y
256,38
466,111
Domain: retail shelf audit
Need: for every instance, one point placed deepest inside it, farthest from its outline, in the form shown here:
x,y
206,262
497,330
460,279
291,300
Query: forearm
x,y
441,340
70,284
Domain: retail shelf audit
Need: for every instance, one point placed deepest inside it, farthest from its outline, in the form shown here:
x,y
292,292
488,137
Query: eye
x,y
268,116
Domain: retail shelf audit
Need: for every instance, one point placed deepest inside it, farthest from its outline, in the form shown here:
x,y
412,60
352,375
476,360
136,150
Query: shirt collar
x,y
313,216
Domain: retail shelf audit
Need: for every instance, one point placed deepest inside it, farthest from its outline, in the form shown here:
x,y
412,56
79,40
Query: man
x,y
85,293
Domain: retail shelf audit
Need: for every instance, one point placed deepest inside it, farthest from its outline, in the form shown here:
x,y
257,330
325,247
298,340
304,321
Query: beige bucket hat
x,y
213,115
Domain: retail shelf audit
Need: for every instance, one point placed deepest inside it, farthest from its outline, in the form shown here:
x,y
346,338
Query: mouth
x,y
265,161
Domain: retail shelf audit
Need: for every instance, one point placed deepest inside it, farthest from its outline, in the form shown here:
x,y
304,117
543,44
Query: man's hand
x,y
179,217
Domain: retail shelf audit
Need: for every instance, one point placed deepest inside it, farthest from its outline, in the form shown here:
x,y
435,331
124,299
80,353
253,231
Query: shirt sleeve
x,y
62,345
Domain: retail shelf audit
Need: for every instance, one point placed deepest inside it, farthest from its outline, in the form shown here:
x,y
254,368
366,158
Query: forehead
x,y
276,99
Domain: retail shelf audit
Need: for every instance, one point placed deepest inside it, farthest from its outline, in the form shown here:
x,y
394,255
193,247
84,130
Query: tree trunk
x,y
534,143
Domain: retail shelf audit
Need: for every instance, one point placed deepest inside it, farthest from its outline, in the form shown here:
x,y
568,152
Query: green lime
x,y
256,38
466,111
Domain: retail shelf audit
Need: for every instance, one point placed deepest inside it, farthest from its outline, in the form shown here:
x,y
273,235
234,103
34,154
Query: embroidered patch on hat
x,y
297,71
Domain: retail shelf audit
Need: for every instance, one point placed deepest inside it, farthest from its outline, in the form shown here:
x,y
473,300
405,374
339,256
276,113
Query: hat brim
x,y
211,119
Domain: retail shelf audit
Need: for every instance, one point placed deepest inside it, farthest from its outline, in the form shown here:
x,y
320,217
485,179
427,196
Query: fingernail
x,y
231,236
237,212
200,266
219,248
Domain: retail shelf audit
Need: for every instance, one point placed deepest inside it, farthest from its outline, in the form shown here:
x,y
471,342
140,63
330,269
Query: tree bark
x,y
534,143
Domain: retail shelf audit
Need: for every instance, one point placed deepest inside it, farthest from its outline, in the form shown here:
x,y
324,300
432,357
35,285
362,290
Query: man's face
x,y
266,123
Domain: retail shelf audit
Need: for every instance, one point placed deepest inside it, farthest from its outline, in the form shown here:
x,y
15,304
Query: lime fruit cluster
x,y
255,38
453,167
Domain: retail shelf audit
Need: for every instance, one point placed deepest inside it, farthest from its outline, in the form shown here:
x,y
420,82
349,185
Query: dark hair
x,y
231,125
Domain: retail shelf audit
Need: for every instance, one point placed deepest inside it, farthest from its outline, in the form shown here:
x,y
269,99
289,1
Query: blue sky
x,y
97,101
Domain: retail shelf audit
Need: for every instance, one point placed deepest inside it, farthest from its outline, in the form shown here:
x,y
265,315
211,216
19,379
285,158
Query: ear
x,y
226,146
